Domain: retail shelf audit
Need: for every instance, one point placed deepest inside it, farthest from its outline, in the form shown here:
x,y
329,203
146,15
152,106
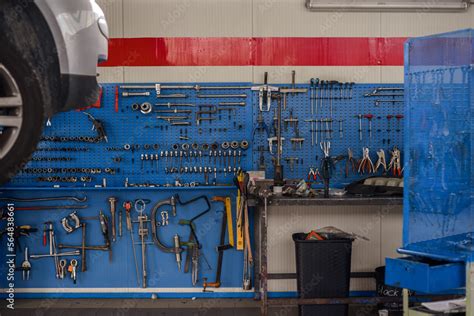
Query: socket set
x,y
178,134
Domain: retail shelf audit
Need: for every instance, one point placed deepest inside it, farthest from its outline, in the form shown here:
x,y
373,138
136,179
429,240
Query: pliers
x,y
395,163
381,162
366,163
313,174
350,162
261,126
325,147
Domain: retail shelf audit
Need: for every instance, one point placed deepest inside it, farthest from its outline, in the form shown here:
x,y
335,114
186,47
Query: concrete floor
x,y
162,307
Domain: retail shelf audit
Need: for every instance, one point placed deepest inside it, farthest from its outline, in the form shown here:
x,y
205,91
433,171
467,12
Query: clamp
x,y
71,222
173,202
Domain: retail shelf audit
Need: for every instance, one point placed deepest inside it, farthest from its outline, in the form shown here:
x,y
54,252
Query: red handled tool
x,y
116,98
399,117
369,117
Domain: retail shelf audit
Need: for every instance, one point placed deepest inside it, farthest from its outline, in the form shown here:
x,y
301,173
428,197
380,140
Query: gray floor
x,y
168,307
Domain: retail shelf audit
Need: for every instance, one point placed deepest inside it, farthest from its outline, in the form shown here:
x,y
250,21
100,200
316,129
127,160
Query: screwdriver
x,y
45,238
127,205
398,117
316,85
369,117
389,118
360,126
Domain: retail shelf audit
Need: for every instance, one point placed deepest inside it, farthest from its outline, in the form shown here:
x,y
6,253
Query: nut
x,y
146,108
244,144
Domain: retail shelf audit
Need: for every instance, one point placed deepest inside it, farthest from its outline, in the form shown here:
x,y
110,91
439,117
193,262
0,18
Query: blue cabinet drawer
x,y
423,275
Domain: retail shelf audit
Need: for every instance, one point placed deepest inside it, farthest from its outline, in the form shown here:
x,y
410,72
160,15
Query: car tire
x,y
29,54
32,111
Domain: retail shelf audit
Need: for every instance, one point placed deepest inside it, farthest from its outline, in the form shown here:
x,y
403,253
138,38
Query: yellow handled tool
x,y
228,211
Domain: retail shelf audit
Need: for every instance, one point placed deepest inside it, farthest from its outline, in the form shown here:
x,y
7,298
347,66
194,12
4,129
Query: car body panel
x,y
80,33
80,42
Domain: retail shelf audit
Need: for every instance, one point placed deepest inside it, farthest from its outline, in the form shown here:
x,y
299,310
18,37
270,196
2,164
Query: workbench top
x,y
344,200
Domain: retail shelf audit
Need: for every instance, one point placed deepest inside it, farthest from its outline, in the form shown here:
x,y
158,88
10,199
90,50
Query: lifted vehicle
x,y
48,63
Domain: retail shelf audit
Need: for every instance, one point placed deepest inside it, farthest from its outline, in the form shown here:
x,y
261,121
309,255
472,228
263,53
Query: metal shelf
x,y
346,200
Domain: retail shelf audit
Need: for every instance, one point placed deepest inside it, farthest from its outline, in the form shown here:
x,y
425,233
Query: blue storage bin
x,y
425,275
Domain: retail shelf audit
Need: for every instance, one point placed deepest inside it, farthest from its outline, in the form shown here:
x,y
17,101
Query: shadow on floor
x,y
161,307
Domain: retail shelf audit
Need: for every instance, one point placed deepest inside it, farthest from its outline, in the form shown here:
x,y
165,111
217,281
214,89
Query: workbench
x,y
262,276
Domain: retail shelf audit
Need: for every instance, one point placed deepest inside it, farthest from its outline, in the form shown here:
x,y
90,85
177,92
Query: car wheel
x,y
21,112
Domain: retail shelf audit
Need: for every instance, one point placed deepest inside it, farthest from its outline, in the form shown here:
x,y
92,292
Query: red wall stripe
x,y
271,51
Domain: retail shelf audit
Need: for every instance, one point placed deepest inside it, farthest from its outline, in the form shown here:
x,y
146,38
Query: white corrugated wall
x,y
262,18
281,18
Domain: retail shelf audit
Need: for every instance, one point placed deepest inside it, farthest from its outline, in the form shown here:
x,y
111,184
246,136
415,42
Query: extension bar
x,y
158,87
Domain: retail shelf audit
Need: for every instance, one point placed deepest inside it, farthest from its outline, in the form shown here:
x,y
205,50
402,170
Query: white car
x,y
49,51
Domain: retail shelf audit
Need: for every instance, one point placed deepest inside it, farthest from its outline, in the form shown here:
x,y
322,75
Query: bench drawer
x,y
423,275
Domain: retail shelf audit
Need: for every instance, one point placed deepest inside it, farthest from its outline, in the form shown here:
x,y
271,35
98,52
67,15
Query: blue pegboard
x,y
120,271
138,130
345,108
128,127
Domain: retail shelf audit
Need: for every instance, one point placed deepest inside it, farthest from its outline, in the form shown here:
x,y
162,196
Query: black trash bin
x,y
384,290
323,270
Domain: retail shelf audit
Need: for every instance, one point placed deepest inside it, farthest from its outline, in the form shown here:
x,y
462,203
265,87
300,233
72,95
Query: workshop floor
x,y
168,307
